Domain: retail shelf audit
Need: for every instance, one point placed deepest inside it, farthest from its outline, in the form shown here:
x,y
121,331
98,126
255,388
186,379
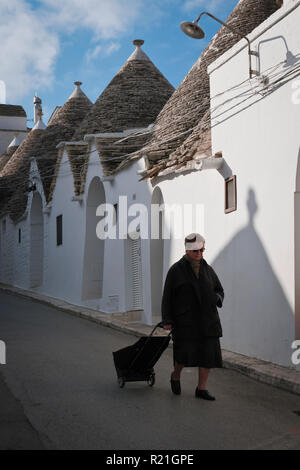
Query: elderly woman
x,y
192,293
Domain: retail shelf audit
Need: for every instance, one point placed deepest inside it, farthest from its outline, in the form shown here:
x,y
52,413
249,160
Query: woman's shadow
x,y
257,318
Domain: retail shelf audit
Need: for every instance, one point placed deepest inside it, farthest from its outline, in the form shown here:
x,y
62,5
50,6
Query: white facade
x,y
23,243
254,250
260,142
72,268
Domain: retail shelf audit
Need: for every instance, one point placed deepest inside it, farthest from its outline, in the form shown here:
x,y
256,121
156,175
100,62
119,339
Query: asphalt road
x,y
60,374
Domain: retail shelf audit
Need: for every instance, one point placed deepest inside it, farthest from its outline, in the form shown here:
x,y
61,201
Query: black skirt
x,y
204,352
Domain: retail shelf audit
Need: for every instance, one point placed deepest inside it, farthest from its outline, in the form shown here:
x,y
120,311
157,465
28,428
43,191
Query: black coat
x,y
190,304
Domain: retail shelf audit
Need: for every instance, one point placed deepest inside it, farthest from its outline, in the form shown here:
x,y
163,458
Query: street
x,y
60,369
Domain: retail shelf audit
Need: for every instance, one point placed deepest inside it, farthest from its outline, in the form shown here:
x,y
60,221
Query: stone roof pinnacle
x,y
138,54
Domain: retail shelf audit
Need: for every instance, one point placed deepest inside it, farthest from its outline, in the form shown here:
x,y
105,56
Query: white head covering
x,y
194,241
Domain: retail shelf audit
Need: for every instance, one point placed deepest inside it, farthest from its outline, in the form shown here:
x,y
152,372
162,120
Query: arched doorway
x,y
93,263
156,251
297,252
36,241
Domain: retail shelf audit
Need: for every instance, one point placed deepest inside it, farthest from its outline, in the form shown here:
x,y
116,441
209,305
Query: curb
x,y
284,378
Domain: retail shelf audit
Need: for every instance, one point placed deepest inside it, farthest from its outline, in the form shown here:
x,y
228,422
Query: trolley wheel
x,y
121,382
151,380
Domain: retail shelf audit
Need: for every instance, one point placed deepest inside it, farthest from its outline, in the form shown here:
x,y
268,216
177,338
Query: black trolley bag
x,y
136,363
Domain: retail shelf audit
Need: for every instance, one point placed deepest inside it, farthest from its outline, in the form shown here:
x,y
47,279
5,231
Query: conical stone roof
x,y
60,129
132,99
41,144
14,175
31,146
73,111
190,103
9,151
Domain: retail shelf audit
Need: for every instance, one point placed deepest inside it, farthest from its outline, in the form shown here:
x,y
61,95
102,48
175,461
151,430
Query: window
x,y
59,230
230,195
4,226
20,235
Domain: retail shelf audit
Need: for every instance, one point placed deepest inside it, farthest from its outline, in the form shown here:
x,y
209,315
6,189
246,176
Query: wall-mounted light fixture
x,y
193,30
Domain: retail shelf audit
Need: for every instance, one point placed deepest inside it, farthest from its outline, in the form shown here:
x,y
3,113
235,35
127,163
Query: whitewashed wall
x,y
8,126
7,244
22,254
126,184
260,143
252,249
15,256
64,264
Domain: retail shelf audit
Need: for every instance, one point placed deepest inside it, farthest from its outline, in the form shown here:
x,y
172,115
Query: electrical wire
x,y
275,77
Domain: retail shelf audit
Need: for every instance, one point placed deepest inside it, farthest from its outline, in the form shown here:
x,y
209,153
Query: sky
x,y
46,45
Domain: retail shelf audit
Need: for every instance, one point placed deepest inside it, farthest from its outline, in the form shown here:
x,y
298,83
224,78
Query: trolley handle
x,y
159,325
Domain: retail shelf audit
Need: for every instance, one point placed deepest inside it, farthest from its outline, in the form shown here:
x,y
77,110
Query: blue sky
x,y
46,45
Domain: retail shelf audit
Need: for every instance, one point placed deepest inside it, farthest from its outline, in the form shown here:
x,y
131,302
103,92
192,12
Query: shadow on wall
x,y
287,55
257,318
272,78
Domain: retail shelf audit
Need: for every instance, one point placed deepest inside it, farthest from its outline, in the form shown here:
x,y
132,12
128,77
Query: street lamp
x,y
193,30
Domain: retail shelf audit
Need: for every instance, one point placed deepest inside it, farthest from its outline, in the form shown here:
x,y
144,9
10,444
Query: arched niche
x,y
93,263
36,241
157,251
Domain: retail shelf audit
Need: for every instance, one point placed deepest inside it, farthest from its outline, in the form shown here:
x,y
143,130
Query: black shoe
x,y
175,386
204,394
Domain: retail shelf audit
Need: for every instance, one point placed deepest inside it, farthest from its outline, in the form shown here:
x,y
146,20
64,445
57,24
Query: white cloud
x,y
212,5
106,19
113,47
30,38
30,35
101,50
28,50
92,54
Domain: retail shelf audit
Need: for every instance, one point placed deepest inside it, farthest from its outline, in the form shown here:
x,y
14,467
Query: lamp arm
x,y
235,31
